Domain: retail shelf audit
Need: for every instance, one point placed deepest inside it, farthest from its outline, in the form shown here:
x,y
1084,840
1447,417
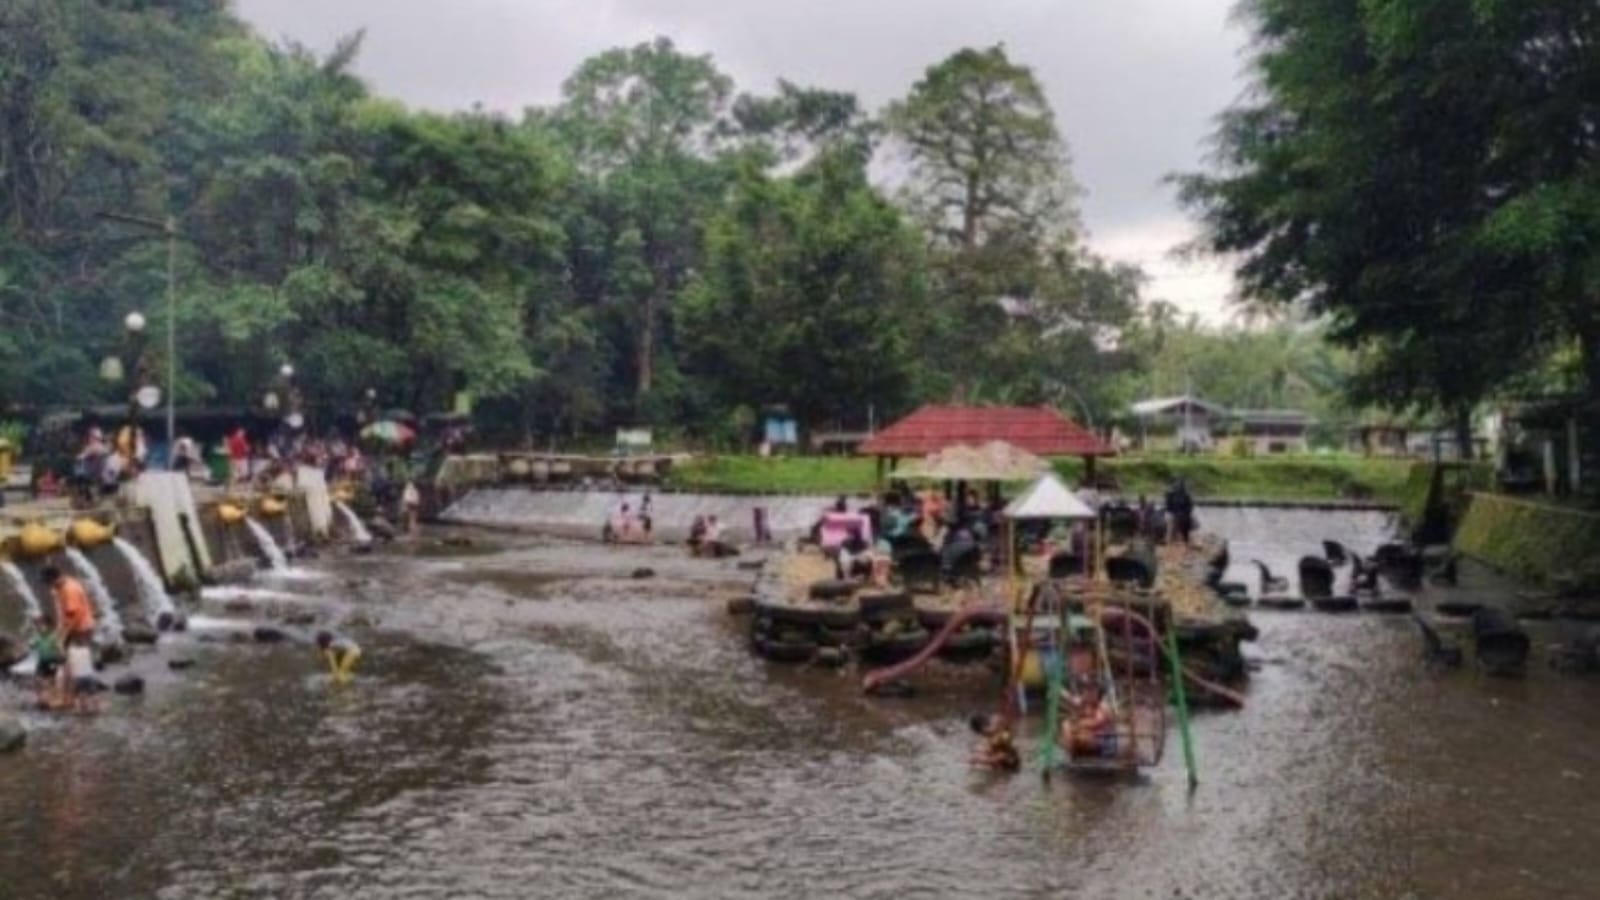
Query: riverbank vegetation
x,y
1307,478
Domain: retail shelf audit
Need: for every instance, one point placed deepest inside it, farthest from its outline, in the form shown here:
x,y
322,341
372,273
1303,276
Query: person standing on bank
x,y
1180,511
411,507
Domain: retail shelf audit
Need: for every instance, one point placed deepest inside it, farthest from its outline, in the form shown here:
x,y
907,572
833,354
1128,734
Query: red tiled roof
x,y
1039,430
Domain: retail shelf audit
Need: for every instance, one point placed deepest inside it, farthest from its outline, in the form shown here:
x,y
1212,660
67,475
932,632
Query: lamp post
x,y
169,228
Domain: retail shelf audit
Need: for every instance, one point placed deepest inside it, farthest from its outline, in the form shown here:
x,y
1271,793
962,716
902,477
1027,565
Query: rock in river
x,y
267,634
138,633
12,734
12,651
129,685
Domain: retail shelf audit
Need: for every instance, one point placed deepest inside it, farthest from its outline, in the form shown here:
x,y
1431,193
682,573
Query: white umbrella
x,y
1048,498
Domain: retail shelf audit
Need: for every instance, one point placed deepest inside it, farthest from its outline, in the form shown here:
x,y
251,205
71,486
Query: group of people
x,y
627,526
63,648
707,537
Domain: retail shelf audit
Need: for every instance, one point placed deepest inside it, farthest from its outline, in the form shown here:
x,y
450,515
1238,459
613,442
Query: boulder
x,y
88,684
381,529
111,654
180,663
139,633
740,606
268,634
165,621
12,734
12,650
642,573
129,685
300,618
1316,578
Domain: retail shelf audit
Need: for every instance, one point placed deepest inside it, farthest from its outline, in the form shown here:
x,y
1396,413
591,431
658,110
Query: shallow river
x,y
529,721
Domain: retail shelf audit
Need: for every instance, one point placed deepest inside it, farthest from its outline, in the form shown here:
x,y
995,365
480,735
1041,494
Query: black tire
x,y
812,614
881,606
787,652
1388,605
832,589
1335,604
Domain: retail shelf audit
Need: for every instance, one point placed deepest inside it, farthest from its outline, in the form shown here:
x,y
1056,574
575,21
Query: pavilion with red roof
x,y
1040,430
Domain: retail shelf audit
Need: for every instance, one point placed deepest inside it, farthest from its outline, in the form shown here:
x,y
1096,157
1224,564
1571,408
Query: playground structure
x,y
1094,649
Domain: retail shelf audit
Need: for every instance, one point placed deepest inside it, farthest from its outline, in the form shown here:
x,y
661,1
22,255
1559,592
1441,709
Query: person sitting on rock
x,y
855,557
997,752
697,534
713,543
340,653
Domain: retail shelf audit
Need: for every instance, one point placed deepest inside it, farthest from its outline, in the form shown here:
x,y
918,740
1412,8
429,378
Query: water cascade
x,y
269,547
104,607
23,589
152,593
358,531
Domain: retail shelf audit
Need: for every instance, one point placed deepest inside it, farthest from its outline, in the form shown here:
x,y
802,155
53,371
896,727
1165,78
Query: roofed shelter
x,y
1039,430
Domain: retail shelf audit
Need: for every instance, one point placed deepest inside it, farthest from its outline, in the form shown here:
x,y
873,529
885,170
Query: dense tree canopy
x,y
1423,173
657,247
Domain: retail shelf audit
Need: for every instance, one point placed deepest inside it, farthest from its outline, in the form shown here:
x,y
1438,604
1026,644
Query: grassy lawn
x,y
1222,478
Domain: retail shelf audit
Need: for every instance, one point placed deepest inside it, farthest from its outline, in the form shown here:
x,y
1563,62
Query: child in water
x,y
48,660
997,752
341,654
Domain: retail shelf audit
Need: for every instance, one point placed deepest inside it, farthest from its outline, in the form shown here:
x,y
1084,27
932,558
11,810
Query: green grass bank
x,y
1296,478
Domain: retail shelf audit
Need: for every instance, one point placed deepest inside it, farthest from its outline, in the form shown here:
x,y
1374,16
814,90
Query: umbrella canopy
x,y
994,461
389,432
1048,498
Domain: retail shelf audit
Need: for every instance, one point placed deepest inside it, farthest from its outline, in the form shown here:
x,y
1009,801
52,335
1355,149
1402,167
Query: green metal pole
x,y
1183,708
1052,711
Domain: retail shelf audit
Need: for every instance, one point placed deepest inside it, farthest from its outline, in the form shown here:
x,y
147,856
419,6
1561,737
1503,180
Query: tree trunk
x,y
653,302
1464,433
1588,411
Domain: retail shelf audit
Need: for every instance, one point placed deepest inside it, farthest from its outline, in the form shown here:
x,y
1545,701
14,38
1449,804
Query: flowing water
x,y
105,606
530,721
152,591
24,590
276,559
358,530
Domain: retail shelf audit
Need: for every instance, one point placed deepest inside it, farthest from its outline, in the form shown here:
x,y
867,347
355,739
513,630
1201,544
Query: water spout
x,y
153,594
269,546
358,531
104,606
19,581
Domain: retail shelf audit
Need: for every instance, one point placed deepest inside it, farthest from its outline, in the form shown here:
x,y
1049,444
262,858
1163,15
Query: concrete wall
x,y
1532,540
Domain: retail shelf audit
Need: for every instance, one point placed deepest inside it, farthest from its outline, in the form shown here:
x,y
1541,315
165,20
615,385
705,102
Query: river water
x,y
531,721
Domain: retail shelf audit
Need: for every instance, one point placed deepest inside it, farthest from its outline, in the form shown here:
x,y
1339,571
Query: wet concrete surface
x,y
531,721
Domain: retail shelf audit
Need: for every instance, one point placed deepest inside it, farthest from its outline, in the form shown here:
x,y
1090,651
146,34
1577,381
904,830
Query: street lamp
x,y
169,228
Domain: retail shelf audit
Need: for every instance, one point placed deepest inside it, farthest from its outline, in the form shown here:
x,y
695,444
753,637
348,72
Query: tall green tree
x,y
644,121
805,293
1423,173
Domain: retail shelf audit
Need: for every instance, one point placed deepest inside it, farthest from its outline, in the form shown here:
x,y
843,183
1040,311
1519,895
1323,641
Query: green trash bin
x,y
218,464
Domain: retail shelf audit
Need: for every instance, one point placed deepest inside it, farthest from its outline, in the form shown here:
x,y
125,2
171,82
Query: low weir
x,y
152,593
583,513
268,545
105,608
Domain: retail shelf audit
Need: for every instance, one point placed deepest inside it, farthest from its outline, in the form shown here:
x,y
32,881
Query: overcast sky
x,y
1135,83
